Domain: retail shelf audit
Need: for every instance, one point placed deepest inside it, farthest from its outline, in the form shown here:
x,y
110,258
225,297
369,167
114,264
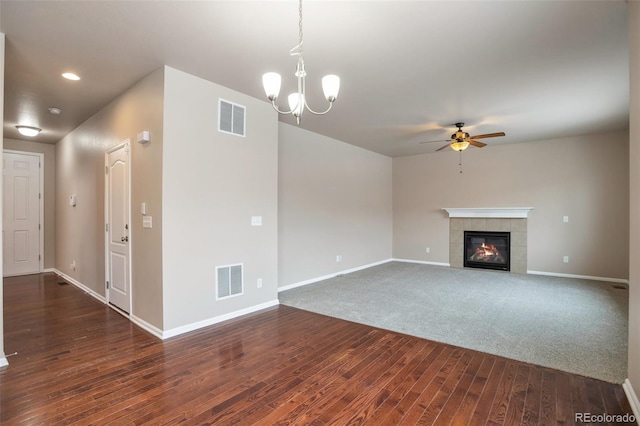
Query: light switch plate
x,y
256,220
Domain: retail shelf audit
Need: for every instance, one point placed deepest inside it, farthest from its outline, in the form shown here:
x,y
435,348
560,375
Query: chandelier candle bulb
x,y
272,82
331,87
296,104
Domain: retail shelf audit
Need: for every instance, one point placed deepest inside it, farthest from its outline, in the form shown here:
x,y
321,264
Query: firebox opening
x,y
487,250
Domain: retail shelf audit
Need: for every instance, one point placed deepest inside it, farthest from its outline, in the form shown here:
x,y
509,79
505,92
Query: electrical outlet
x,y
428,250
565,259
565,219
338,258
73,265
259,282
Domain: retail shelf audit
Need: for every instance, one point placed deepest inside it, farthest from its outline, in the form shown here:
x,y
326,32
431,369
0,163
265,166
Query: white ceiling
x,y
409,69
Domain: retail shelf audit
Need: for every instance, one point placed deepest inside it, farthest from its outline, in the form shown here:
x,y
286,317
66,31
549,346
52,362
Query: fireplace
x,y
489,219
487,250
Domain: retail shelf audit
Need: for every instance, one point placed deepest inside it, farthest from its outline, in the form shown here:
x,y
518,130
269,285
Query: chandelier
x,y
297,101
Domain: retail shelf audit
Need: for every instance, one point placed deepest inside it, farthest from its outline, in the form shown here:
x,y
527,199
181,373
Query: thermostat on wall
x,y
143,137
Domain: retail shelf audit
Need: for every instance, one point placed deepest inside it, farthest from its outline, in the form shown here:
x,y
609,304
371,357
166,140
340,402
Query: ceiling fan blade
x,y
476,143
440,140
488,135
440,149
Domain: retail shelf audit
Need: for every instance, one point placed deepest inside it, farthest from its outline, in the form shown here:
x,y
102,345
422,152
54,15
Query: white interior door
x,y
21,214
117,227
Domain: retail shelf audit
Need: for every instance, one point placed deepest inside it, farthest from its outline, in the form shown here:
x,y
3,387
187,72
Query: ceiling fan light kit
x,y
459,145
271,82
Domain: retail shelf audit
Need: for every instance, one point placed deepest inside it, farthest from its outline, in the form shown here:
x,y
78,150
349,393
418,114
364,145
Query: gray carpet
x,y
574,325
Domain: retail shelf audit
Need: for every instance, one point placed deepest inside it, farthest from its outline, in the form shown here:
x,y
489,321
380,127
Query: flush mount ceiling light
x,y
71,76
28,130
55,111
297,101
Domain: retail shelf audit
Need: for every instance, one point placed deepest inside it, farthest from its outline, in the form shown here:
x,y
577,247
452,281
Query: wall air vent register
x,y
231,118
228,281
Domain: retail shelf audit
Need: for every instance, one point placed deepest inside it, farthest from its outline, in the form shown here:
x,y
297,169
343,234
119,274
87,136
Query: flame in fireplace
x,y
487,250
487,253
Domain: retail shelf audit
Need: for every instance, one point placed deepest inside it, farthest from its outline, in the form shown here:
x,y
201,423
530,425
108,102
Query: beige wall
x,y
213,183
80,160
49,192
634,160
334,199
585,178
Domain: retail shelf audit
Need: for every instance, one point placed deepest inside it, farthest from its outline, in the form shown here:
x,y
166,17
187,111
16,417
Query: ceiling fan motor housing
x,y
460,136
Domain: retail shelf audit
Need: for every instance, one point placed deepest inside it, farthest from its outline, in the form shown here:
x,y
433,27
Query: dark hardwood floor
x,y
80,362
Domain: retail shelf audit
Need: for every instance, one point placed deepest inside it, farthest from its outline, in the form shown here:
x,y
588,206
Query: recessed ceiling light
x,y
55,111
28,130
71,76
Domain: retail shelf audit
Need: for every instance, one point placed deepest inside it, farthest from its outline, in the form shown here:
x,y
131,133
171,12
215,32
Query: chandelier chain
x,y
300,26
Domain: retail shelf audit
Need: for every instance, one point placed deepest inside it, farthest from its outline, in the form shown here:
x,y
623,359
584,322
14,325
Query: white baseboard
x,y
423,262
44,271
584,277
3,362
633,399
333,275
549,274
211,321
81,286
178,330
146,326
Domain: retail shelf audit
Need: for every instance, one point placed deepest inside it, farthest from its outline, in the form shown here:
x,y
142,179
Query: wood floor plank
x,y
302,397
365,404
451,398
533,398
564,411
480,415
548,401
470,401
80,362
579,397
414,414
388,400
372,366
500,404
515,411
396,413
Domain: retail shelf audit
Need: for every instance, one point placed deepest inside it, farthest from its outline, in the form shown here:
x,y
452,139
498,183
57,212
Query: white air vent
x,y
228,281
231,118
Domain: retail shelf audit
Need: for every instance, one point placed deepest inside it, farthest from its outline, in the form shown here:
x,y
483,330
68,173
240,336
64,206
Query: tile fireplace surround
x,y
513,220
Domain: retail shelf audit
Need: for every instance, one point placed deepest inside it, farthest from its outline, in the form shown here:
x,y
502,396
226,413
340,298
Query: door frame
x,y
40,156
127,145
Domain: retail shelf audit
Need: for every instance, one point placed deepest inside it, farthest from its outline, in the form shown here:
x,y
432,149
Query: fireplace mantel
x,y
497,212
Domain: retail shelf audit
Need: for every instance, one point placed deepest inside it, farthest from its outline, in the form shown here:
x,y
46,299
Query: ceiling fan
x,y
461,140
